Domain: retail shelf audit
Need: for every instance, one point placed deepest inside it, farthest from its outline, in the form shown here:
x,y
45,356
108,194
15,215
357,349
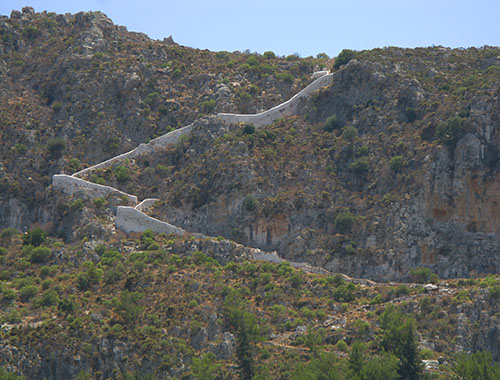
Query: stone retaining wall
x,y
72,185
146,204
150,147
129,219
285,109
133,219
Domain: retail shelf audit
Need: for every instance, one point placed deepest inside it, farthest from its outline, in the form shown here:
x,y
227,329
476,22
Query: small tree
x,y
344,57
344,221
396,163
34,237
205,368
56,147
250,203
360,166
476,366
450,131
331,123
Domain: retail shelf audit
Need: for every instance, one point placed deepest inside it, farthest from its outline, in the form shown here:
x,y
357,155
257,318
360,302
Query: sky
x,y
296,26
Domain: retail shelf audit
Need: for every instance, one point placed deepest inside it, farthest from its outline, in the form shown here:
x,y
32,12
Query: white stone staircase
x,y
133,218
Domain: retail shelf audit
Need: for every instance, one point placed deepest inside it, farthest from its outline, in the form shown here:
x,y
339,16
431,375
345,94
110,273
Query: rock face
x,y
442,213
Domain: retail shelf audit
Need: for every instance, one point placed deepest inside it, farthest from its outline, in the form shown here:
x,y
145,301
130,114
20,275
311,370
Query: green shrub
x,y
476,366
112,144
128,306
401,290
252,60
331,123
34,237
114,274
4,375
396,163
411,114
207,106
248,128
99,203
350,133
344,293
151,98
285,77
422,275
91,276
7,234
56,147
341,345
494,292
21,148
67,305
344,221
49,298
343,58
360,166
27,292
40,255
122,174
450,131
9,295
31,32
296,280
269,55
74,163
250,203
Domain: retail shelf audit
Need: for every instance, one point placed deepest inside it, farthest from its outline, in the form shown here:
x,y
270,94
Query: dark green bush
x,y
151,99
269,55
34,237
349,133
27,292
344,57
122,174
332,123
344,221
56,106
115,274
396,163
40,255
250,203
49,298
476,366
207,106
360,166
31,32
74,163
450,131
411,114
21,148
421,275
128,306
248,128
344,292
56,147
285,77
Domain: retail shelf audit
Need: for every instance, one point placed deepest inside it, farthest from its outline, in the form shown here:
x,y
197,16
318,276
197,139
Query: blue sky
x,y
291,26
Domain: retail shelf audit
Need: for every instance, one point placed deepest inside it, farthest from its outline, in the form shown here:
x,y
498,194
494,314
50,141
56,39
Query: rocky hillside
x,y
159,307
77,89
392,166
389,173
